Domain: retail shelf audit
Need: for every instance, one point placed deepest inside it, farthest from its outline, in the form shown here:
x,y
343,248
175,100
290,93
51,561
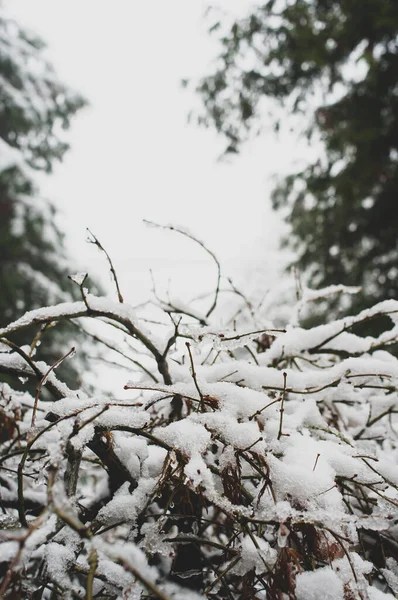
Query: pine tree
x,y
333,64
34,107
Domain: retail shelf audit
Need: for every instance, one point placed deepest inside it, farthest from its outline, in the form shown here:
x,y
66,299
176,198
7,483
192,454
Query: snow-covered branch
x,y
261,474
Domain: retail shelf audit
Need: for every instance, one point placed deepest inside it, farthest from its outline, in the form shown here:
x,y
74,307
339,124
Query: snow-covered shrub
x,y
244,463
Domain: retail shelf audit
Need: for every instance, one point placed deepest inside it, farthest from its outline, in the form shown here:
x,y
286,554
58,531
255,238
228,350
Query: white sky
x,y
133,154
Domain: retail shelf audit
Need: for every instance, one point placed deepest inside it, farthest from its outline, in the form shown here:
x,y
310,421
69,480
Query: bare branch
x,y
96,242
94,309
202,245
43,381
193,372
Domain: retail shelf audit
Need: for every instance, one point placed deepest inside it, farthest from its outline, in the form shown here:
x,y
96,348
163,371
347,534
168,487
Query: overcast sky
x,y
133,154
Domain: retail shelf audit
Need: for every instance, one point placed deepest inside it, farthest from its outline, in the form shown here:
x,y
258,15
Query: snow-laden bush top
x,y
245,463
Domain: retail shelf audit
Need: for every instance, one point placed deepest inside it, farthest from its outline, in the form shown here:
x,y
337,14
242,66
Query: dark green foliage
x,y
334,64
34,107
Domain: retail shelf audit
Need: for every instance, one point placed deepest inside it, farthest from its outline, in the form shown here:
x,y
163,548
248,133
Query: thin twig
x,y
51,386
93,562
258,412
112,346
202,245
151,587
222,574
238,337
193,373
173,338
241,295
97,243
43,381
282,408
115,318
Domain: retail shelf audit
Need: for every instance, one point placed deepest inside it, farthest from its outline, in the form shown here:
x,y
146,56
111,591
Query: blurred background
x,y
204,117
133,155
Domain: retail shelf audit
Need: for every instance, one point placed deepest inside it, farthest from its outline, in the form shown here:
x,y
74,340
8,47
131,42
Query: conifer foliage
x,y
245,462
34,107
334,65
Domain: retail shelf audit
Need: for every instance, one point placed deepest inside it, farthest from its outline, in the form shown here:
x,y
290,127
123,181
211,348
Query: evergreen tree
x,y
34,106
334,64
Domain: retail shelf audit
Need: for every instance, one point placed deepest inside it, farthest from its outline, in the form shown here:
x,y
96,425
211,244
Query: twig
x,y
97,243
112,346
250,351
11,568
316,461
43,381
339,539
153,588
238,337
21,499
147,388
282,408
115,318
241,295
258,412
202,245
93,562
38,337
36,371
173,338
222,574
193,372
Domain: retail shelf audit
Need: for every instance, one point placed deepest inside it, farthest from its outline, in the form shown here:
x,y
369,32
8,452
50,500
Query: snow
x,y
322,584
294,454
254,552
188,437
12,157
59,559
126,505
376,594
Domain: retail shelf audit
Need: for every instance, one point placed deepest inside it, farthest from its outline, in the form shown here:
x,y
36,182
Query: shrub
x,y
246,462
